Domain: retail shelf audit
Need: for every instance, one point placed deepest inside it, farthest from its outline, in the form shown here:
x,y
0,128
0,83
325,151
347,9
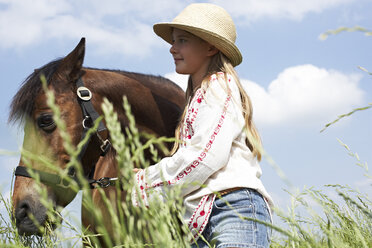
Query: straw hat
x,y
209,22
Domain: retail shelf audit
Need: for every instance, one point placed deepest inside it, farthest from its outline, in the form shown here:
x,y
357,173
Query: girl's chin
x,y
181,70
182,73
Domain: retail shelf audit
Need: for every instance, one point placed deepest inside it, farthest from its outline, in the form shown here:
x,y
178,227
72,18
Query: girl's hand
x,y
135,170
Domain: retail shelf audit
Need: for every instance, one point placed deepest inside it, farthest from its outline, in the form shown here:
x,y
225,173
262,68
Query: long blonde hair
x,y
220,63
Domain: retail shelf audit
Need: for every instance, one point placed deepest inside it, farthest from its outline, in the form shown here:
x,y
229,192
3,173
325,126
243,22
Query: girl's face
x,y
191,54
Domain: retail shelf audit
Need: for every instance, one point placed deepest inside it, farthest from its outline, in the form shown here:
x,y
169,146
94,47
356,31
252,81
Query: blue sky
x,y
297,82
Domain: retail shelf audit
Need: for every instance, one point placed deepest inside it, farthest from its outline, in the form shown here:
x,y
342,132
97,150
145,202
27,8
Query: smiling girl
x,y
216,155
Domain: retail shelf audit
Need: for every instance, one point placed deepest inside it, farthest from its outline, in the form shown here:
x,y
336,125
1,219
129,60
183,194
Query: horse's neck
x,y
106,166
148,113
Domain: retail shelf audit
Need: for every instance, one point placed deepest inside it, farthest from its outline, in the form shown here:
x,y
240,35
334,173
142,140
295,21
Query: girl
x,y
215,158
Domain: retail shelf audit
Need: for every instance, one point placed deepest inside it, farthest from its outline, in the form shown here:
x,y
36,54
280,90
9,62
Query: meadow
x,y
342,218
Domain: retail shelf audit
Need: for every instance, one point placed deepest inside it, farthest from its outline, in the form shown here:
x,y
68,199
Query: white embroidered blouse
x,y
213,155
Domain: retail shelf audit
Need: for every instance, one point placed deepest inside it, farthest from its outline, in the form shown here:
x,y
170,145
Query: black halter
x,y
90,116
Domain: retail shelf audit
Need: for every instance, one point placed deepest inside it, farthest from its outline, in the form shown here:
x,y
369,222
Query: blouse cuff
x,y
139,191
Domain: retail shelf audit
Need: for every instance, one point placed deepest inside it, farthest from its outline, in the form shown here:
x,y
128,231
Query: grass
x,y
315,219
318,220
158,226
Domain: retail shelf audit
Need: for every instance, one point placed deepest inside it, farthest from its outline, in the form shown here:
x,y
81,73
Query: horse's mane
x,y
23,102
150,81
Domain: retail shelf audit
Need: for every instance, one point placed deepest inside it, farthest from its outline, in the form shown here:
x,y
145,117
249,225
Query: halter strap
x,y
90,115
54,179
45,177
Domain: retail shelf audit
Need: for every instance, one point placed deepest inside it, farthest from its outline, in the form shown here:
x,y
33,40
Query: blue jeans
x,y
226,229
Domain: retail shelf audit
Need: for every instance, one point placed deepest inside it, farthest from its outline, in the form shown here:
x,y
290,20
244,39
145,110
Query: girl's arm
x,y
212,123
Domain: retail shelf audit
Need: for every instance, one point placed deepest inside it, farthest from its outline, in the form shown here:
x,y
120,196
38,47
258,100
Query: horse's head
x,y
42,138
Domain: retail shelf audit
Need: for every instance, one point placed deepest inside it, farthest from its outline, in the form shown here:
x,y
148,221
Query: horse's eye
x,y
46,122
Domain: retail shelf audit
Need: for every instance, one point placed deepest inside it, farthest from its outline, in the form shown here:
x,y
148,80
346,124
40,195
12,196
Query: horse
x,y
156,104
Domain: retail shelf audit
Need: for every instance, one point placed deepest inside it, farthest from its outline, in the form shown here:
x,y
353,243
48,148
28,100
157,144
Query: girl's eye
x,y
179,41
46,122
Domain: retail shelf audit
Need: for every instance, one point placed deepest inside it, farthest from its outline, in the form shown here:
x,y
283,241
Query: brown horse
x,y
156,105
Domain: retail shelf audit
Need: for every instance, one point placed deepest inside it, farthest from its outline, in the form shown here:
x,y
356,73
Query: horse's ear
x,y
71,65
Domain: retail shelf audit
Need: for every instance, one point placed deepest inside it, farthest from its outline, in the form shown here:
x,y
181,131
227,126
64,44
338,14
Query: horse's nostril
x,y
26,224
22,210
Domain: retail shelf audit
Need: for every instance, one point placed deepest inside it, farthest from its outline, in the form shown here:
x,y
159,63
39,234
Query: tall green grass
x,y
157,226
315,219
334,216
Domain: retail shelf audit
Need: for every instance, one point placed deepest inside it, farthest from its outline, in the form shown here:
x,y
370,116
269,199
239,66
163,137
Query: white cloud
x,y
302,95
23,22
123,26
6,194
250,10
8,163
179,79
364,184
3,211
114,27
305,95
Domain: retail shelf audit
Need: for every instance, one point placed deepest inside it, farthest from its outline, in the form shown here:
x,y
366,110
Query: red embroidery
x,y
143,186
187,130
208,146
205,219
202,202
192,112
201,215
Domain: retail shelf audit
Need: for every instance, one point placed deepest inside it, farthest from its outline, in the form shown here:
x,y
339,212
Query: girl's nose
x,y
172,50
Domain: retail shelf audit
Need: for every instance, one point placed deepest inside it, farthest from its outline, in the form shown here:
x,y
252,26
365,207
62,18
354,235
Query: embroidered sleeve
x,y
211,124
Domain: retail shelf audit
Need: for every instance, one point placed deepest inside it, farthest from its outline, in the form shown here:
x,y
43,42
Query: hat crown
x,y
208,17
209,22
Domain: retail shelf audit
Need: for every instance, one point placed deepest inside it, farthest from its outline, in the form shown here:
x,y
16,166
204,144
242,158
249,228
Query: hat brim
x,y
229,49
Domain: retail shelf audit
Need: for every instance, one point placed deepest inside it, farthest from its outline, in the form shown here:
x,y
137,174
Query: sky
x,y
297,81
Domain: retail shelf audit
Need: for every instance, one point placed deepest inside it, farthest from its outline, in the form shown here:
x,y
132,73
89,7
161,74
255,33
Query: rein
x,y
90,116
